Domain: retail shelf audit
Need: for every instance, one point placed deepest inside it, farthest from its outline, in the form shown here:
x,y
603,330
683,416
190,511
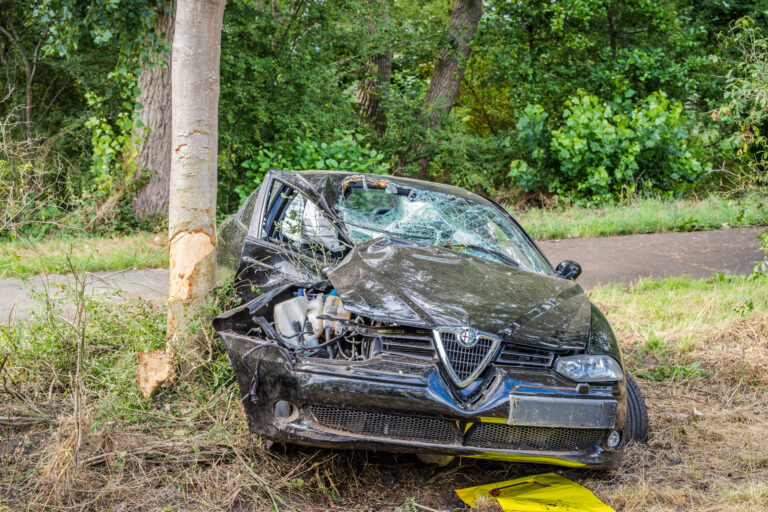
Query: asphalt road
x,y
603,260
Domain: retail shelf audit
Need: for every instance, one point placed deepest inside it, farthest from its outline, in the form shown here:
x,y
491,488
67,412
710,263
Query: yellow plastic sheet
x,y
539,493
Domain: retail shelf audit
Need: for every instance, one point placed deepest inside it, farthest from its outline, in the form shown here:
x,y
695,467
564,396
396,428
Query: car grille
x,y
409,345
518,437
439,431
465,360
525,356
411,428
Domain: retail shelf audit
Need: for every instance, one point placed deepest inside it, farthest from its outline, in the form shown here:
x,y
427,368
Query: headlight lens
x,y
588,368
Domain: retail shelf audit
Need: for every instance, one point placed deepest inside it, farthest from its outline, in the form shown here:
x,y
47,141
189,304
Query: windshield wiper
x,y
479,248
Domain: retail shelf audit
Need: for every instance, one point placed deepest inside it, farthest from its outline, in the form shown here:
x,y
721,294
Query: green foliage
x,y
113,138
585,100
761,269
347,151
601,152
746,98
470,161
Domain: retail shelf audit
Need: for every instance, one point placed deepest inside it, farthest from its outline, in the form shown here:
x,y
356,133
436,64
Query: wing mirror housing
x,y
568,270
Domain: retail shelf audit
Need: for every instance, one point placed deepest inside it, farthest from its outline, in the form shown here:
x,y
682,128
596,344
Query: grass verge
x,y
646,216
698,346
23,258
148,250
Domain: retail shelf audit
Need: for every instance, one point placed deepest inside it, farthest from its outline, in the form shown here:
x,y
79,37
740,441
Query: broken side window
x,y
246,211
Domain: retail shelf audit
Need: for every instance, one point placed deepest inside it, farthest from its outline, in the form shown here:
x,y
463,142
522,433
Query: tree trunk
x,y
376,76
192,205
154,156
449,69
370,90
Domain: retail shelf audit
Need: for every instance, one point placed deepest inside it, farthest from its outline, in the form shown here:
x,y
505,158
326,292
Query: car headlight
x,y
589,368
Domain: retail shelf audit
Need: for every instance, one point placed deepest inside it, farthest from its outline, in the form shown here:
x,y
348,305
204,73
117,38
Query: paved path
x,y
604,260
625,258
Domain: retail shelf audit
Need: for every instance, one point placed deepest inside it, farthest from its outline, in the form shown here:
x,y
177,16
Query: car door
x,y
230,238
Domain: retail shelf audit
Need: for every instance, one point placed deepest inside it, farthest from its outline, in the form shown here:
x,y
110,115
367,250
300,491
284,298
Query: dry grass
x,y
708,448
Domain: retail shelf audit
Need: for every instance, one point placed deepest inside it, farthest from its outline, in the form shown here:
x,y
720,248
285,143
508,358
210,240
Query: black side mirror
x,y
568,270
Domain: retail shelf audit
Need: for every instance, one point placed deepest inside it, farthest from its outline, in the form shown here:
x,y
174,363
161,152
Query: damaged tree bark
x,y
192,204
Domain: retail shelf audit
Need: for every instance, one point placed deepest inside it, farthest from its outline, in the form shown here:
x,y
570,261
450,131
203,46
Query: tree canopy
x,y
572,100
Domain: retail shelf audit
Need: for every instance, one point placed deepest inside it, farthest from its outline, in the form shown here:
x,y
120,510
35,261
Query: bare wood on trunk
x,y
154,154
192,201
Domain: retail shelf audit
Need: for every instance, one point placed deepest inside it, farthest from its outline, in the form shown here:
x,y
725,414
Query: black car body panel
x,y
428,286
396,386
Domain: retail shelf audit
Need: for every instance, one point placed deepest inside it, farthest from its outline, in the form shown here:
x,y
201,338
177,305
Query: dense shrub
x,y
603,150
471,161
347,151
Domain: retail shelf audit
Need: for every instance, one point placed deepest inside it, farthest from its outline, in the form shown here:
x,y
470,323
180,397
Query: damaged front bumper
x,y
405,404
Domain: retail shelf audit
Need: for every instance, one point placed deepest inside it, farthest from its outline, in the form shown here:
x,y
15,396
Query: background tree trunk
x,y
192,205
376,76
155,152
449,69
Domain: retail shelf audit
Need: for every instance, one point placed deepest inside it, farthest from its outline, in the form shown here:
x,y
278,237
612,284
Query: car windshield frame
x,y
455,214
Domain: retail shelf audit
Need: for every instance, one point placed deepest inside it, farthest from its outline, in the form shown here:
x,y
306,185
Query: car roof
x,y
329,183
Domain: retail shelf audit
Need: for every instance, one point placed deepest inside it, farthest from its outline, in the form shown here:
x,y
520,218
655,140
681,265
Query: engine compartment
x,y
309,320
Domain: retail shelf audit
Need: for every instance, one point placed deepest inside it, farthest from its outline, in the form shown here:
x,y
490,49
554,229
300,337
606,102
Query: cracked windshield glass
x,y
374,208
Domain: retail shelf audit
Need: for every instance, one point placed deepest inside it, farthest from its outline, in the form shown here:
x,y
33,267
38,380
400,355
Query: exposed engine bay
x,y
312,322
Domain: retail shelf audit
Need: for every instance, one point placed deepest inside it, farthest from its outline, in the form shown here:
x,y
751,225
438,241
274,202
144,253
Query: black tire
x,y
636,427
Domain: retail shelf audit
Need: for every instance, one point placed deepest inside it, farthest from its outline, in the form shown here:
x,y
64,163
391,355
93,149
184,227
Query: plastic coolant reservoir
x,y
315,309
334,308
290,317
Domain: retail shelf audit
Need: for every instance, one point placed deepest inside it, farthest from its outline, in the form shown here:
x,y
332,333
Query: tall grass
x,y
90,254
646,216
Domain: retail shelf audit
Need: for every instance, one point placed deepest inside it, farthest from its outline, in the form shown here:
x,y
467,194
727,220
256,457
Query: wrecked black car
x,y
393,314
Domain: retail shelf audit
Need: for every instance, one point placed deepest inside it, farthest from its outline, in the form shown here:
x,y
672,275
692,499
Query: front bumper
x,y
402,404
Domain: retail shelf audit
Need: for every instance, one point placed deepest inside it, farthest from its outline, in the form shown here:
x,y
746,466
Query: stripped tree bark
x,y
449,70
375,79
192,202
154,155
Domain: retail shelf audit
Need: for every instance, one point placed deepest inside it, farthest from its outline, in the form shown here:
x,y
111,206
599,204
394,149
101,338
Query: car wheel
x,y
440,460
636,428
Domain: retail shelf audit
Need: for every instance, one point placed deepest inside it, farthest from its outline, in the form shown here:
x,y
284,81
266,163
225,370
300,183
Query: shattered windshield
x,y
372,208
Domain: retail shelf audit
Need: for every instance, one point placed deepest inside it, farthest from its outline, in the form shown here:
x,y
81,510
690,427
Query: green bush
x,y
470,161
348,151
600,153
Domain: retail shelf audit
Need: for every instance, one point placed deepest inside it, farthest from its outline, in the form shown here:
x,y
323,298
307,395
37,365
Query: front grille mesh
x,y
412,428
465,360
439,431
418,346
525,356
518,437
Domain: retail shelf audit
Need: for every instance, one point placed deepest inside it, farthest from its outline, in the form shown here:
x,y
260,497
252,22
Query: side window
x,y
246,211
302,224
256,229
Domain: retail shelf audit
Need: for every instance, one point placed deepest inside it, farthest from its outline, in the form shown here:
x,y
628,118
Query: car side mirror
x,y
568,270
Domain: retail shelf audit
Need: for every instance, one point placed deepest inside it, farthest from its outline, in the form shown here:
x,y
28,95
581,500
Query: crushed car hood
x,y
426,286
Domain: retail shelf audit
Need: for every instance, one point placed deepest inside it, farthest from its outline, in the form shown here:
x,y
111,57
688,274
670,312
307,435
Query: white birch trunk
x,y
194,147
192,198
